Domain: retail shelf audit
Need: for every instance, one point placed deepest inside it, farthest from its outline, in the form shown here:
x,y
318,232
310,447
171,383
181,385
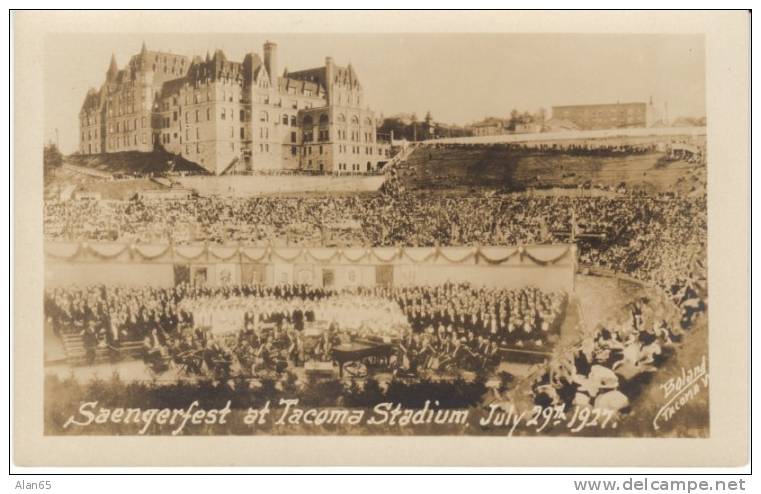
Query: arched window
x,y
368,121
324,119
264,116
308,121
355,120
341,118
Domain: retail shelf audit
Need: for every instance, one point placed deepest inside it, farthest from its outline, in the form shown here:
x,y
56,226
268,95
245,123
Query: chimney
x,y
270,61
329,76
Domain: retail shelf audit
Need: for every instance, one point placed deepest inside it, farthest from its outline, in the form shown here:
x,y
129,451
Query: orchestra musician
x,y
295,351
154,351
324,349
90,342
264,358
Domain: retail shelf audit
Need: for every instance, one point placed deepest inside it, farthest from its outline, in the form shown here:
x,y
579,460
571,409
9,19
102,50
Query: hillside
x,y
500,168
135,162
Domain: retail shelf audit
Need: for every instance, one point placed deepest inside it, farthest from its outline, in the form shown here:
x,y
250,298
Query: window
x,y
197,117
208,114
293,137
285,119
222,115
198,133
232,132
293,121
264,116
324,119
242,132
242,116
294,150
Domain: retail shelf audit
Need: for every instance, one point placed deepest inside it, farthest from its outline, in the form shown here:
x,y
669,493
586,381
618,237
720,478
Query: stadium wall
x,y
549,267
252,185
628,135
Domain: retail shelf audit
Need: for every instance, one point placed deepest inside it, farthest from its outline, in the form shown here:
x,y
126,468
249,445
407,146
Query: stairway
x,y
76,355
399,157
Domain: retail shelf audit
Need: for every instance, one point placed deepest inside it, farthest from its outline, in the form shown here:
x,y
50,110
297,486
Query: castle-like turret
x,y
112,69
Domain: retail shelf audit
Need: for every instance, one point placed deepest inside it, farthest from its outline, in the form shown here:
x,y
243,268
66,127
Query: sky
x,y
459,78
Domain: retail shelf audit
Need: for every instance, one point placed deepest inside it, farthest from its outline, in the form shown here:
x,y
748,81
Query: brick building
x,y
234,117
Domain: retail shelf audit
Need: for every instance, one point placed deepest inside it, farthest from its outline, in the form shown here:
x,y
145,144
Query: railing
x,y
301,172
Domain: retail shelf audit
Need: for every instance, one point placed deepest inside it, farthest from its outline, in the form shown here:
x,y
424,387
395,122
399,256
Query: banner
x,y
536,254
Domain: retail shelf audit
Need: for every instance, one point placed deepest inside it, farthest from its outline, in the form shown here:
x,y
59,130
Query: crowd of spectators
x,y
651,237
610,366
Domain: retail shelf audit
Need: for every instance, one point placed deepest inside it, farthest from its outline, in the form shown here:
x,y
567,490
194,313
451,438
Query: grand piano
x,y
361,349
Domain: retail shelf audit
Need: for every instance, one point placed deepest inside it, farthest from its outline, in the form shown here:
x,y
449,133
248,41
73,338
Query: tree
x,y
51,158
429,125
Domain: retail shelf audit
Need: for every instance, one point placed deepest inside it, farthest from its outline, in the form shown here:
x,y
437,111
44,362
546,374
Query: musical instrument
x,y
359,350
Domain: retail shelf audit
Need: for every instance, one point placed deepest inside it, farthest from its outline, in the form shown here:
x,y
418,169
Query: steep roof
x,y
215,67
284,83
489,122
92,100
341,75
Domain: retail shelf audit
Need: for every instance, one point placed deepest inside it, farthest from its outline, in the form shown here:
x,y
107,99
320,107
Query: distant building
x,y
234,116
528,128
489,127
605,116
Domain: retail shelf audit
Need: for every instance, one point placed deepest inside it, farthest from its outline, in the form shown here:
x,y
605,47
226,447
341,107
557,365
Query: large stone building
x,y
234,117
606,116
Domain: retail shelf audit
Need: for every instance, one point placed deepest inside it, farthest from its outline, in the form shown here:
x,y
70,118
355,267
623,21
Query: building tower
x,y
329,79
112,69
270,62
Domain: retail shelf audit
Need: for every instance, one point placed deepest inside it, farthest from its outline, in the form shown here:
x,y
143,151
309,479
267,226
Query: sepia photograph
x,y
463,234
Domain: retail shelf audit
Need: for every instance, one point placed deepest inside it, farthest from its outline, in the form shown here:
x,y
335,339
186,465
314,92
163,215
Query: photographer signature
x,y
680,390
